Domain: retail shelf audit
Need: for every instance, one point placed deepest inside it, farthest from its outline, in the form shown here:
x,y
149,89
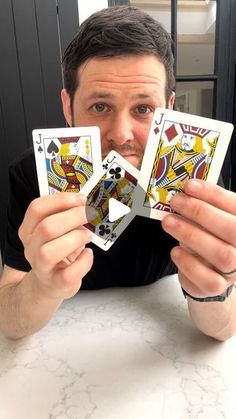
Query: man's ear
x,y
171,101
65,98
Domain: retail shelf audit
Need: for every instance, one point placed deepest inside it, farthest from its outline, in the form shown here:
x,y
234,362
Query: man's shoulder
x,y
23,175
25,160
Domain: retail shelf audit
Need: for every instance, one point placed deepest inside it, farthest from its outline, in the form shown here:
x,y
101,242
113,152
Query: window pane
x,y
159,10
195,98
196,37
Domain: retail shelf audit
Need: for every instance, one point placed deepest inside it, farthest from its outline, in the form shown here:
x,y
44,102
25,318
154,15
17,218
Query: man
x,y
117,70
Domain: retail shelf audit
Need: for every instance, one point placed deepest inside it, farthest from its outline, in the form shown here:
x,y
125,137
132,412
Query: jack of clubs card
x,y
115,183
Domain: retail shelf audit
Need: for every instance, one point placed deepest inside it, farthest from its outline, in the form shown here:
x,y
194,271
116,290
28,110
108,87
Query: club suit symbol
x,y
115,173
104,229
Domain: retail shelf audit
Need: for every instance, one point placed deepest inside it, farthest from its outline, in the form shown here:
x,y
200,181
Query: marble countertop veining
x,y
123,353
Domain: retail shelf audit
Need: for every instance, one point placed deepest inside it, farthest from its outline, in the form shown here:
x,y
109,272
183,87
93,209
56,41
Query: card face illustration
x,y
66,158
115,182
179,147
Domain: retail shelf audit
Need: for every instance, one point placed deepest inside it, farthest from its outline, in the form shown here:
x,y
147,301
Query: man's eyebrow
x,y
100,95
108,95
141,96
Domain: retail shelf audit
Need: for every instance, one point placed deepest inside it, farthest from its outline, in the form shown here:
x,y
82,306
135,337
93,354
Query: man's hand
x,y
54,239
206,230
205,226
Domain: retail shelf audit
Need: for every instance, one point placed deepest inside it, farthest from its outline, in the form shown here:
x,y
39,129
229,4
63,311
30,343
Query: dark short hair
x,y
113,32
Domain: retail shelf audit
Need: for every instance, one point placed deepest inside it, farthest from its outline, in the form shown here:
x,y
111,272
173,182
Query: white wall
x,y
87,7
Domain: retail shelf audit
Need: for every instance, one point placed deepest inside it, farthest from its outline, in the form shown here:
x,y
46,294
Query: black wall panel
x,y
68,19
31,34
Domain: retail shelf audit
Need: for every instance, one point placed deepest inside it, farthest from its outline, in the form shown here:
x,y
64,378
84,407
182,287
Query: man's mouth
x,y
128,154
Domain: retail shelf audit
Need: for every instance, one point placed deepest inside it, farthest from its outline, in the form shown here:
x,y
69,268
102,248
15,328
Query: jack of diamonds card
x,y
180,146
66,158
117,181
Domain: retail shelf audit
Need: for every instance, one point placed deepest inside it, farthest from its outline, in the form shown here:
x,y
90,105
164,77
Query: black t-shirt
x,y
140,256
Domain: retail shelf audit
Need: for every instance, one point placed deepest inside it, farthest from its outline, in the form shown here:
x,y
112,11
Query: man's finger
x,y
44,206
197,278
213,194
70,278
53,252
216,221
217,253
57,225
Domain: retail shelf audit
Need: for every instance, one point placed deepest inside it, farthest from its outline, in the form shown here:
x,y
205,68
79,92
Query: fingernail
x,y
91,213
88,238
169,222
176,252
78,198
177,201
81,198
193,185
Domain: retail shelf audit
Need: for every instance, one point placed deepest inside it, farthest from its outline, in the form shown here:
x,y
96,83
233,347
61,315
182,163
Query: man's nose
x,y
121,129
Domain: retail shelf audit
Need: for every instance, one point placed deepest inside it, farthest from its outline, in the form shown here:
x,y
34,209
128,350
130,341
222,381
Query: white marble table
x,y
119,354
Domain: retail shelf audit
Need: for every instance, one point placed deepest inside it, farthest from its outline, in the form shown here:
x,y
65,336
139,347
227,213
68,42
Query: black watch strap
x,y
221,297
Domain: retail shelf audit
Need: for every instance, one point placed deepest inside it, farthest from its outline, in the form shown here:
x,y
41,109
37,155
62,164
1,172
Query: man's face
x,y
119,95
187,142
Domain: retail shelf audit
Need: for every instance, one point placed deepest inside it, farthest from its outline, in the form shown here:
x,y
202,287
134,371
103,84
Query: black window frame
x,y
223,78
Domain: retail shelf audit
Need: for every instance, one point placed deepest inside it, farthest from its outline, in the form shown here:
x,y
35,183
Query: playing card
x,y
106,191
66,158
179,147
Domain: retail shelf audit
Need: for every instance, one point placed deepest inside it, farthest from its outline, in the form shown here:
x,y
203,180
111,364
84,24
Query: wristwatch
x,y
221,297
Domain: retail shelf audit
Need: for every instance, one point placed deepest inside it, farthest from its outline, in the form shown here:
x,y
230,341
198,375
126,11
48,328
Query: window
x,y
194,23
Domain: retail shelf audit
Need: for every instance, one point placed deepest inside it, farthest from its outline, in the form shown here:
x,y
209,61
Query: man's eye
x,y
99,107
143,109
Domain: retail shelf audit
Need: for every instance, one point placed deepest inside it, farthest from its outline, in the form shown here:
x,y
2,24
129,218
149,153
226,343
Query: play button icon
x,y
116,209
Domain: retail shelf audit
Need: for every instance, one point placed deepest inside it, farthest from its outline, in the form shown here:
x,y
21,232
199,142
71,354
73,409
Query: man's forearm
x,y
216,319
24,310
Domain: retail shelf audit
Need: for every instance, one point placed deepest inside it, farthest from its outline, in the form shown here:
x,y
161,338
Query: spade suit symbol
x,y
52,149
